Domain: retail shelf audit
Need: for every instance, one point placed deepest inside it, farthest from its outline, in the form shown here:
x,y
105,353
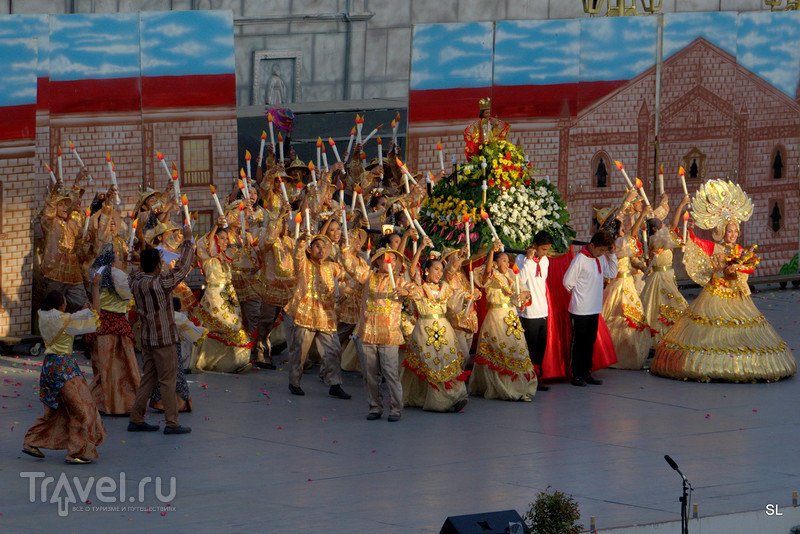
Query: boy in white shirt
x,y
584,279
533,269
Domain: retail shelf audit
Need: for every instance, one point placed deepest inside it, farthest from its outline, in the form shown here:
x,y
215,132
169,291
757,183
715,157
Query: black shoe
x,y
457,407
589,379
372,416
542,387
177,430
309,365
337,391
296,390
394,418
578,381
142,427
266,365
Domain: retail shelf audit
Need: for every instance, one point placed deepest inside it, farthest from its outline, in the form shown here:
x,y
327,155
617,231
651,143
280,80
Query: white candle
x,y
319,152
216,201
682,173
350,144
344,229
185,203
380,152
485,217
131,235
271,131
335,150
247,158
52,176
420,229
354,199
86,222
641,191
388,261
80,161
359,126
624,174
60,167
297,220
466,235
176,187
661,180
283,190
308,221
471,283
160,157
280,146
685,226
373,132
113,173
394,132
441,154
363,208
516,280
313,173
243,185
325,161
261,148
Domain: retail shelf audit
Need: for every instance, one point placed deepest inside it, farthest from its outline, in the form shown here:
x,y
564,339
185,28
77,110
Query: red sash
x,y
586,253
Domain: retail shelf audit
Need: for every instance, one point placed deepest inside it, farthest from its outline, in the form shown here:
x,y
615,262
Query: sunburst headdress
x,y
718,203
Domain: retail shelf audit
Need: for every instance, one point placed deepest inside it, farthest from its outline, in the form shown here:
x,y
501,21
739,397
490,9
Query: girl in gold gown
x,y
722,335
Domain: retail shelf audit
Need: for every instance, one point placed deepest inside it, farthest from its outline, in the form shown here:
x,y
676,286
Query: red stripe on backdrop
x,y
81,96
514,101
18,122
42,93
189,91
445,104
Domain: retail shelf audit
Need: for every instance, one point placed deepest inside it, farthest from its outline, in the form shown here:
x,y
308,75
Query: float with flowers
x,y
498,191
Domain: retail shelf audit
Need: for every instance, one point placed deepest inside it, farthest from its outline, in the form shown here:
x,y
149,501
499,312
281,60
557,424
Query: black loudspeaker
x,y
486,523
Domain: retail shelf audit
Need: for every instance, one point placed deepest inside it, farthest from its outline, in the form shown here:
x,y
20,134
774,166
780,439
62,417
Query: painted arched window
x,y
778,162
600,169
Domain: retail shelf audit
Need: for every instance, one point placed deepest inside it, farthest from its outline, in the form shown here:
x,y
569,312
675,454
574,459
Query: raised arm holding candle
x,y
216,201
388,260
283,190
640,187
624,174
335,150
394,133
113,174
131,235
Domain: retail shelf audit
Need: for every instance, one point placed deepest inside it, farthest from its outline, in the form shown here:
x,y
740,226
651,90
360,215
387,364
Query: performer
x,y
622,309
310,316
167,236
661,298
226,348
114,365
71,420
722,335
503,368
465,325
432,374
152,291
584,279
533,270
484,130
378,334
349,302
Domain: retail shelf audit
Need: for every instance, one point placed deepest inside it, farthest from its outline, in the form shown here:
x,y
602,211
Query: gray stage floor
x,y
262,460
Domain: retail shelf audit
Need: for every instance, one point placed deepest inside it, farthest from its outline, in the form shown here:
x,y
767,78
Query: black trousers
x,y
536,338
584,334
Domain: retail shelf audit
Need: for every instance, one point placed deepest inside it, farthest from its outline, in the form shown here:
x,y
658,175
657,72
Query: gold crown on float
x,y
718,203
485,103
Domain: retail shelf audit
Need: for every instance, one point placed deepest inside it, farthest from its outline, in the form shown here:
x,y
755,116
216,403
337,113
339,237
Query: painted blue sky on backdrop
x,y
451,55
94,46
769,45
30,27
187,42
18,72
539,52
617,48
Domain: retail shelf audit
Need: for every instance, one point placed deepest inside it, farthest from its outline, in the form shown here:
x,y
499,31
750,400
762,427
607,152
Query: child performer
x,y
584,279
533,269
503,368
71,420
465,325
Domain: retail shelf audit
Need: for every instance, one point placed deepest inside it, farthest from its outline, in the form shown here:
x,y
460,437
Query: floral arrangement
x,y
518,205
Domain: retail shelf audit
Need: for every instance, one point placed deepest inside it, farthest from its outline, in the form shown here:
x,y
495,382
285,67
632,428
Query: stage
x,y
260,459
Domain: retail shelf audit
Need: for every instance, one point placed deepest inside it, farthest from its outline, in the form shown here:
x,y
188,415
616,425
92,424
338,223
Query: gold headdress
x,y
603,214
485,103
718,203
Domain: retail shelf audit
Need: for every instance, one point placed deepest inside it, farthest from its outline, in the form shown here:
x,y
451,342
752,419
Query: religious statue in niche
x,y
601,173
276,88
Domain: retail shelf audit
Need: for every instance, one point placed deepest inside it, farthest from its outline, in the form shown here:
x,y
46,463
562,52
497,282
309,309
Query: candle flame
x,y
685,215
681,171
241,206
174,167
242,173
88,212
378,127
159,155
174,174
399,163
263,135
298,218
386,259
398,116
352,131
46,166
638,183
71,145
618,164
213,189
311,166
108,156
465,218
299,186
194,215
280,138
515,268
269,117
379,140
185,200
357,190
135,223
363,156
341,185
59,152
661,169
331,142
113,167
394,124
439,146
241,184
484,215
319,142
247,155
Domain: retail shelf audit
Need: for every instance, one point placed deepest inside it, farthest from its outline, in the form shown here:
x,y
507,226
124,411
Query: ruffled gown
x,y
432,375
623,311
226,348
502,365
721,335
662,301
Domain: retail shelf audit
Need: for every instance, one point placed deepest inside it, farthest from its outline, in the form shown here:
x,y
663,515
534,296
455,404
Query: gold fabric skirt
x,y
663,303
723,336
624,316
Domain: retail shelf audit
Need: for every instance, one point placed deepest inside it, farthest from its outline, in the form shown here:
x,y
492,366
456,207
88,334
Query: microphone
x,y
673,465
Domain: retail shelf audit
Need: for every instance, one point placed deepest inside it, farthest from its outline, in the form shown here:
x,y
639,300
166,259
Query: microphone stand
x,y
684,499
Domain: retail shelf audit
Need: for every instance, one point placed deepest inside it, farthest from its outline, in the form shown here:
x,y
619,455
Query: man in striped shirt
x,y
152,291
